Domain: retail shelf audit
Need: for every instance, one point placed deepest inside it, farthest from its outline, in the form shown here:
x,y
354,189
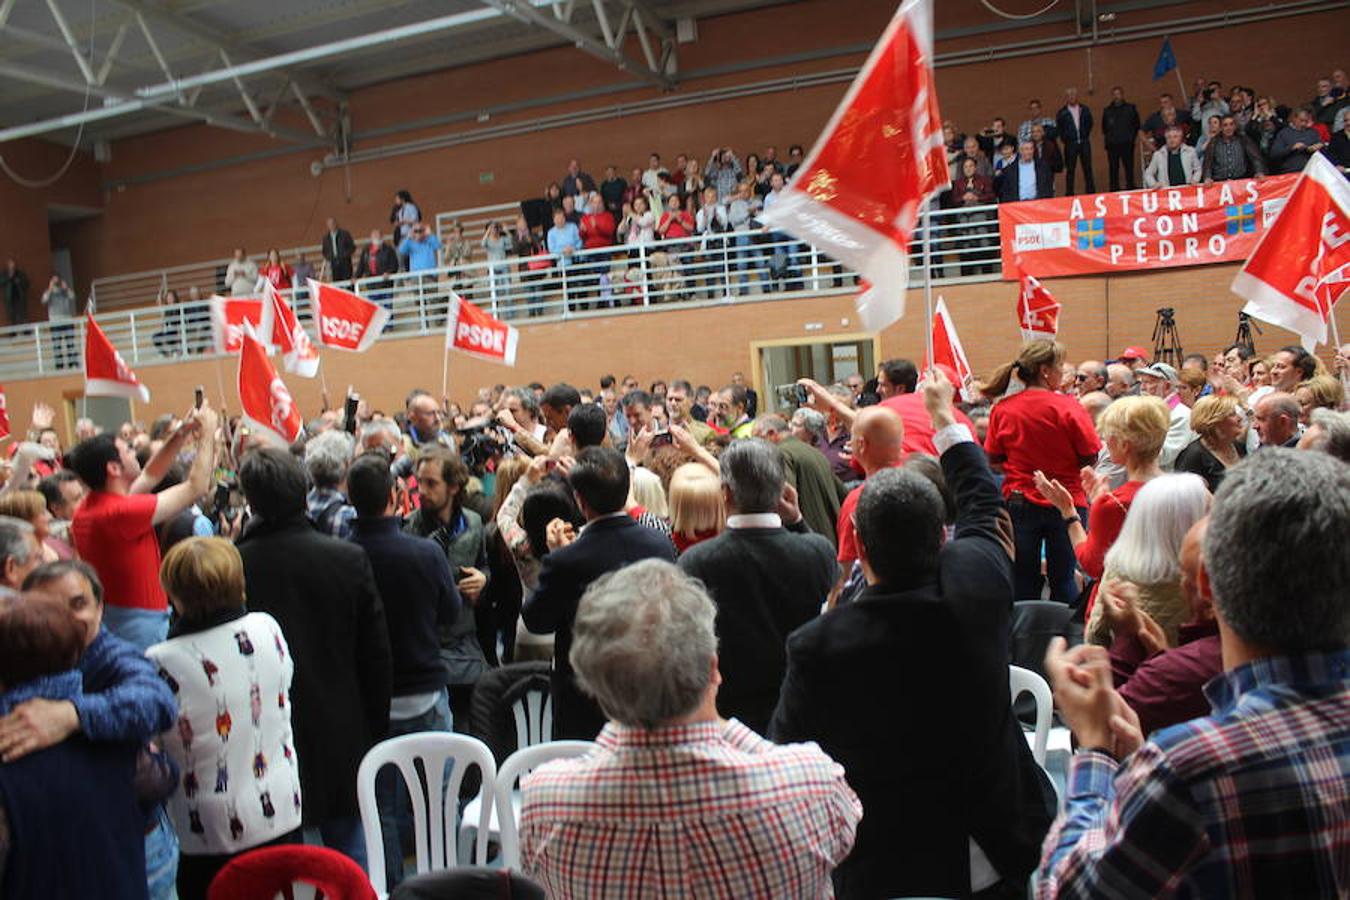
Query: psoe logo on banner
x,y
1270,209
1030,236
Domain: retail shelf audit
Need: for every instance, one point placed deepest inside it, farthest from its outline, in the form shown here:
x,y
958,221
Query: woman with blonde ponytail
x,y
1034,428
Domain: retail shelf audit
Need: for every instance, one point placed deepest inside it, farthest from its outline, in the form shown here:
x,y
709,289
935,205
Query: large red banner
x,y
1147,229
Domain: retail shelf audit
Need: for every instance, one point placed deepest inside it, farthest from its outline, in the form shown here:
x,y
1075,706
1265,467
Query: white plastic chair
x,y
1022,681
433,817
515,767
533,714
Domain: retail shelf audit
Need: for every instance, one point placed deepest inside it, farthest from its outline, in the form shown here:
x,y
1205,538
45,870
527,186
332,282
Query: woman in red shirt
x,y
276,271
1033,429
1134,429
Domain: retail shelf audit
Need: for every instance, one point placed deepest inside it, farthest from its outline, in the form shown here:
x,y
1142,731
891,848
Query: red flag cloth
x,y
265,403
4,413
858,195
105,372
472,331
230,315
1037,308
345,320
948,352
1292,279
299,355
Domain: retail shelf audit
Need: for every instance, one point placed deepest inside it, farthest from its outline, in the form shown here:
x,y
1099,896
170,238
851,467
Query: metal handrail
x,y
721,268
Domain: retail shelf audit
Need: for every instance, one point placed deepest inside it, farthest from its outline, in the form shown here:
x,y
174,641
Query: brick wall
x,y
706,344
276,202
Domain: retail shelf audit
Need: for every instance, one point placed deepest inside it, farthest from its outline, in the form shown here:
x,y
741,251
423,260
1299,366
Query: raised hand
x,y
1054,492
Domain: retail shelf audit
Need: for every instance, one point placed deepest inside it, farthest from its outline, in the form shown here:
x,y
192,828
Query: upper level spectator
x,y
1295,144
576,181
1035,116
1074,123
1231,154
403,216
1166,116
241,275
1175,164
1029,178
337,248
772,821
421,248
1177,814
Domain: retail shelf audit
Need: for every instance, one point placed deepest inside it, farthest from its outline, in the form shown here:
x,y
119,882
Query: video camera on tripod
x,y
1166,338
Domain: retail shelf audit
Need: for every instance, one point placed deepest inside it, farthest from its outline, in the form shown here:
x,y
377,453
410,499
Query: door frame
x,y
757,368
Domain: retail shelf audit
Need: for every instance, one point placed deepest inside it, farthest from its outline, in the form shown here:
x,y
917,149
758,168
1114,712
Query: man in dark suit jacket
x,y
338,248
907,686
322,593
610,540
1074,124
378,261
1029,170
766,580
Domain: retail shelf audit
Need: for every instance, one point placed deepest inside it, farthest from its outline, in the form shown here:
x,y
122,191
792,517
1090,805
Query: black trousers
x,y
1120,156
1074,154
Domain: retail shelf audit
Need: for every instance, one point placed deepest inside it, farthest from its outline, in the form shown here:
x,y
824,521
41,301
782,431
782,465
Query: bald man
x,y
878,443
1119,380
1164,685
1276,420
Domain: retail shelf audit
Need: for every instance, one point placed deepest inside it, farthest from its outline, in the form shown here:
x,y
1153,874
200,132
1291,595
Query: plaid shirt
x,y
329,512
704,810
1251,801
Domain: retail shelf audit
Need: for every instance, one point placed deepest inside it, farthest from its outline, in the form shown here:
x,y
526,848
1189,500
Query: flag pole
x,y
928,279
445,371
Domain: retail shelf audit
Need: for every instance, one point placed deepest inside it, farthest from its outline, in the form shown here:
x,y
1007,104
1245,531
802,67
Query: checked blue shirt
x,y
1251,801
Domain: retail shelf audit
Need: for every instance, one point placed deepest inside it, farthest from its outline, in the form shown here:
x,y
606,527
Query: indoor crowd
x,y
786,622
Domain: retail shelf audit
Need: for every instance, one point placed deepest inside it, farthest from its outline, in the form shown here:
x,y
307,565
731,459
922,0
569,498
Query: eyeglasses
x,y
1080,377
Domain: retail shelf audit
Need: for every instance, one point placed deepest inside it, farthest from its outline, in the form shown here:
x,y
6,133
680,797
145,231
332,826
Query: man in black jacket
x,y
1030,178
907,687
378,261
766,580
322,593
610,540
338,248
1120,129
1074,124
418,592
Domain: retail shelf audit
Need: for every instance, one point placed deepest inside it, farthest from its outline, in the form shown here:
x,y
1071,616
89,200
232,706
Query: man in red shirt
x,y
897,380
114,527
878,443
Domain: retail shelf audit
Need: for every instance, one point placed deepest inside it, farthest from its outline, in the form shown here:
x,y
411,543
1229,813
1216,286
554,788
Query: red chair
x,y
269,871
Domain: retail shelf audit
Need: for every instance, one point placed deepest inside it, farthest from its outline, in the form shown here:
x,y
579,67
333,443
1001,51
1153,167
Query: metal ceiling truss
x,y
177,97
652,33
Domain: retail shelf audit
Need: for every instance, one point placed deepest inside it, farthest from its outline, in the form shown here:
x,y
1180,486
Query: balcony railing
x,y
734,267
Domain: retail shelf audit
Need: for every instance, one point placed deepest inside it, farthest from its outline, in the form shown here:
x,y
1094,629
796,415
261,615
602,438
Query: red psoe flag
x,y
1037,308
106,374
265,403
345,321
947,350
298,353
1294,276
4,414
858,195
472,331
231,315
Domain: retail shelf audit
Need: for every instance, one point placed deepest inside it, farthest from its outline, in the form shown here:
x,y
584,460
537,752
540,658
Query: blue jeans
x,y
1033,527
161,859
343,834
142,627
391,795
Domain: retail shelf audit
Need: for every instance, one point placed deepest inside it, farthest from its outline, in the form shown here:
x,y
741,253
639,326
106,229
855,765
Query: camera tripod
x,y
1244,332
1166,338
